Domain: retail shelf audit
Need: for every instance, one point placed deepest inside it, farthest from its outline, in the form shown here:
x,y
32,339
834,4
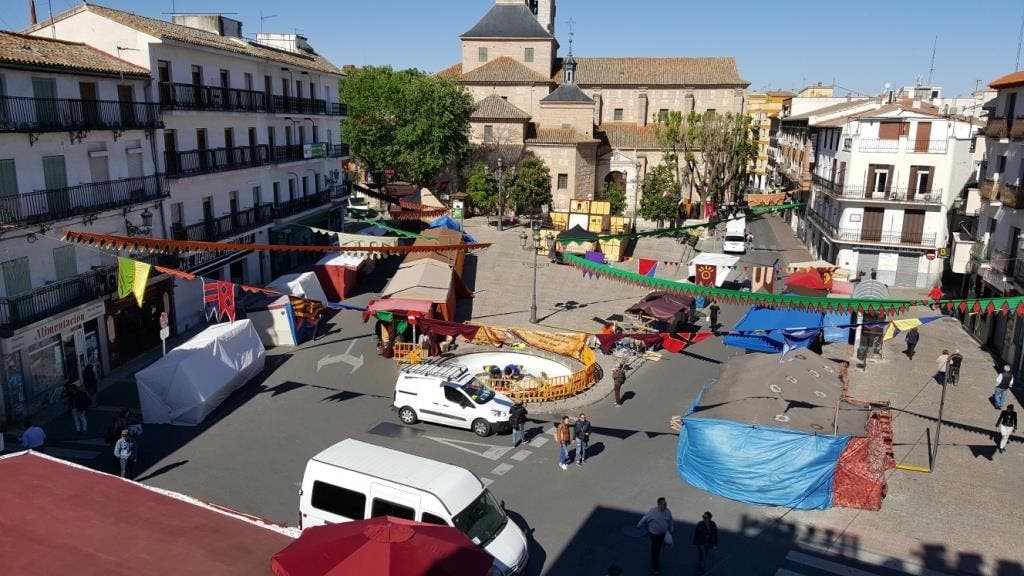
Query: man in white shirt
x,y
658,522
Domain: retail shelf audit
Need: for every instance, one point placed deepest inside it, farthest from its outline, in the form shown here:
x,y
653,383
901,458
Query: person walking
x,y
582,432
713,316
80,403
33,438
659,525
618,378
90,381
1007,423
750,242
912,338
941,363
956,359
705,538
562,438
517,418
125,451
934,297
1003,383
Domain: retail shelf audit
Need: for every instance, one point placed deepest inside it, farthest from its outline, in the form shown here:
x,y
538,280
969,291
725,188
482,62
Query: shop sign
x,y
52,327
317,150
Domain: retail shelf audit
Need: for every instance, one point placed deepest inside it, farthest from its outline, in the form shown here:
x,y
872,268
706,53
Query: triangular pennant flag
x,y
132,276
647,267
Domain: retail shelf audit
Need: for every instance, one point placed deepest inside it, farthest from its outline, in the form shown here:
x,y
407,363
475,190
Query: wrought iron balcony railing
x,y
195,162
50,205
26,114
178,96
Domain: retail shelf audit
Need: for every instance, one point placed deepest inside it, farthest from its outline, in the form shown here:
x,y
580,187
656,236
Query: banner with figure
x,y
762,278
706,275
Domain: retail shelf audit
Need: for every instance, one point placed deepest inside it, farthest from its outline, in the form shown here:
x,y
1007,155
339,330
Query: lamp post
x,y
535,246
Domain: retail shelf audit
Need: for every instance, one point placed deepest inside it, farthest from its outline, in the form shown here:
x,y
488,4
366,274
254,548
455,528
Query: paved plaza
x,y
251,453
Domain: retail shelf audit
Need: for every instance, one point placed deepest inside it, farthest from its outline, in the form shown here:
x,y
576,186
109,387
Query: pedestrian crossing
x,y
863,563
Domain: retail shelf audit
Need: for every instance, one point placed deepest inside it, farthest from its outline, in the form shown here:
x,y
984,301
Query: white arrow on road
x,y
490,451
355,362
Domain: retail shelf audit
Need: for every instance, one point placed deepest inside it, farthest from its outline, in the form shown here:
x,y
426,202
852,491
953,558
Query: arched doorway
x,y
616,177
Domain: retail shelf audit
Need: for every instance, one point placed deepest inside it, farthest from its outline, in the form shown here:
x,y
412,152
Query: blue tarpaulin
x,y
450,223
772,322
833,319
759,465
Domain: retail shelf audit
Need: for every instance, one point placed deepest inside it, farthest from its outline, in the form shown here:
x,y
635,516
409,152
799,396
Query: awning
x,y
428,280
400,305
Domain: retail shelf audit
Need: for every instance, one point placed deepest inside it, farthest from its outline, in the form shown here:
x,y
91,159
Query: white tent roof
x,y
716,259
421,280
349,259
304,285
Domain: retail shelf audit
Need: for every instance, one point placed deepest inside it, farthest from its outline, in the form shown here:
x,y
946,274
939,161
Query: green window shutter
x,y
8,178
54,173
64,263
17,278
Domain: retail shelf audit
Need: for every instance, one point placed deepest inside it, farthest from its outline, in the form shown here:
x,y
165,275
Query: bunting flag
x,y
398,231
142,244
826,278
132,276
647,267
762,277
684,340
798,338
706,275
418,214
219,299
306,311
896,326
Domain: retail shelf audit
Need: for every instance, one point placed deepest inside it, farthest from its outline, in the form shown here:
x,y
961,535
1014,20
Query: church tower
x,y
516,33
544,10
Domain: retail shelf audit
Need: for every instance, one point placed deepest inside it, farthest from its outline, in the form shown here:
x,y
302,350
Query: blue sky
x,y
783,44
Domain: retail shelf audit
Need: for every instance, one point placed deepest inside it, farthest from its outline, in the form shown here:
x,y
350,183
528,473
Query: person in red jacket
x,y
935,295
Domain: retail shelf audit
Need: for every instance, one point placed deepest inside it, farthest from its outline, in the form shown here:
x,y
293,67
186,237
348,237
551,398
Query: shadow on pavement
x,y
161,470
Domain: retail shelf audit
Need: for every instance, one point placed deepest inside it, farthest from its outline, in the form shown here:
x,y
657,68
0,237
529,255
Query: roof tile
x,y
508,21
504,70
39,52
558,136
495,107
625,135
701,71
1008,81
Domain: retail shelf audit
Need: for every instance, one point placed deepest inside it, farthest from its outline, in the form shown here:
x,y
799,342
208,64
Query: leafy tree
x,y
616,198
530,186
711,150
482,190
410,121
660,195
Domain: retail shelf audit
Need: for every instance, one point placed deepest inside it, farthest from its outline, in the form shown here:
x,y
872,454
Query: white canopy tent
x,y
187,384
305,285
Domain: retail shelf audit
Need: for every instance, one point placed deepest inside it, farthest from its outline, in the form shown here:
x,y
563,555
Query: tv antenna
x,y
1020,40
265,17
931,69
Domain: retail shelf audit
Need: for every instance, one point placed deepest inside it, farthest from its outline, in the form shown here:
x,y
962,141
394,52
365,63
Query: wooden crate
x,y
597,223
600,207
559,220
618,224
612,249
579,206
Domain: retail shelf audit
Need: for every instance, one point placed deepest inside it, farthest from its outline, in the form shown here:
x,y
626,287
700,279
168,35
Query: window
x,y
453,395
163,73
201,142
197,75
305,185
429,518
563,181
387,508
8,178
17,277
1001,166
229,137
527,54
291,189
712,111
566,125
974,144
302,134
233,201
248,80
339,501
287,135
208,208
488,132
298,89
257,196
277,193
617,115
225,78
64,265
285,87
177,214
481,54
268,87
316,133
252,136
55,176
663,114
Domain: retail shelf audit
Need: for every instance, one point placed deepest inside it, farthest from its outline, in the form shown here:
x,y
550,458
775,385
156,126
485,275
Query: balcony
x,y
293,105
894,194
1011,196
1003,262
24,114
301,204
51,205
217,229
176,96
874,145
997,127
299,152
872,236
195,162
338,151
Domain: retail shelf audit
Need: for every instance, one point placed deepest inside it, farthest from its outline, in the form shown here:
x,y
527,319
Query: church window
x,y
563,181
617,115
663,114
481,54
527,54
488,132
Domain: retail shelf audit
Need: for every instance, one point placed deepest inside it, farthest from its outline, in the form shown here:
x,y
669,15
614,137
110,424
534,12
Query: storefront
x,y
39,359
132,329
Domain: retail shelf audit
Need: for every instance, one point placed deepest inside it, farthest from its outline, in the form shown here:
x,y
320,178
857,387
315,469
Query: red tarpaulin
x,y
808,279
399,306
383,546
684,340
608,341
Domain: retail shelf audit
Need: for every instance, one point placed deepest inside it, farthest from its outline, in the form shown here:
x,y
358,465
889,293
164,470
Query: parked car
x,y
449,394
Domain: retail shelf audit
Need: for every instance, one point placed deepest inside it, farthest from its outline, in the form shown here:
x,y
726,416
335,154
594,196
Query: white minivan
x,y
449,394
354,480
735,236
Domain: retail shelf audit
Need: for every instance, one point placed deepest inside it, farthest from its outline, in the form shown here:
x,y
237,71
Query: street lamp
x,y
145,229
535,246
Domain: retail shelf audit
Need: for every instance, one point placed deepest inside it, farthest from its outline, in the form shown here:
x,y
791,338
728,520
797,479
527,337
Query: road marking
x,y
486,482
827,565
538,441
491,452
874,559
68,453
501,469
521,455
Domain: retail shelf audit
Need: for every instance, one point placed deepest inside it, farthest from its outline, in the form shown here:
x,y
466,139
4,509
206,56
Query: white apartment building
x,y
77,150
251,139
882,182
996,267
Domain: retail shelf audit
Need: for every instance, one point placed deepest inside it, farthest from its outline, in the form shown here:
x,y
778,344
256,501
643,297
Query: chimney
x,y
295,43
32,12
215,23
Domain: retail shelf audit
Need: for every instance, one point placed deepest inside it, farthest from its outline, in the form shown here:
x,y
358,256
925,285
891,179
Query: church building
x,y
591,120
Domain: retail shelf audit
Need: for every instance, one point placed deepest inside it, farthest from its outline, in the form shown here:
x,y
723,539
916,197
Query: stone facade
x,y
543,53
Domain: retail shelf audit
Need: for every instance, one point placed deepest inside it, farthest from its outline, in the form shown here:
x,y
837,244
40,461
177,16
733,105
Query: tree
x,y
530,186
660,195
482,190
410,121
711,150
615,196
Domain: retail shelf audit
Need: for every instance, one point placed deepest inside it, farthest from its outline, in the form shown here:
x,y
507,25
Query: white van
x,y
353,480
735,236
449,394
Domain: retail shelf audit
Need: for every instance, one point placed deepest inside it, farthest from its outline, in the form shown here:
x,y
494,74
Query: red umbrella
x,y
384,546
809,279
